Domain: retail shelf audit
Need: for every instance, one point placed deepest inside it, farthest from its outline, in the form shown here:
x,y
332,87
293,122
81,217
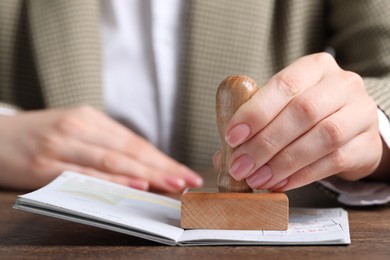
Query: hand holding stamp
x,y
235,205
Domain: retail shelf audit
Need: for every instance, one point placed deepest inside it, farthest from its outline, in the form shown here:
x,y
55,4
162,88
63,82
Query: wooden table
x,y
30,236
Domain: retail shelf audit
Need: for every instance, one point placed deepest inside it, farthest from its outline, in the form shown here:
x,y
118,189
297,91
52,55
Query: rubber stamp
x,y
233,205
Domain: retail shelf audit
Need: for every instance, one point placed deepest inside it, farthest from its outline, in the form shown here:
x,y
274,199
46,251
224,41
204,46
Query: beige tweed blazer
x,y
50,53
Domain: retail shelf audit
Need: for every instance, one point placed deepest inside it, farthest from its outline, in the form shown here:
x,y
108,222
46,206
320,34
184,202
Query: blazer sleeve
x,y
359,32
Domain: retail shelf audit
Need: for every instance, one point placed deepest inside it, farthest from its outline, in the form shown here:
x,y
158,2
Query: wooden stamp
x,y
234,205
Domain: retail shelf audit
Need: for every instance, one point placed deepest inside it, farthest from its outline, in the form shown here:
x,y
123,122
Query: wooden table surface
x,y
30,236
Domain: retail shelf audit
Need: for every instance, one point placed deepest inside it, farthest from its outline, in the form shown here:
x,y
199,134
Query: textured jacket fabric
x,y
50,54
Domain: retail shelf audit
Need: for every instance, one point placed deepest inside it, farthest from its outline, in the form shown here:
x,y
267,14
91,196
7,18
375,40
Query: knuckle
x,y
331,134
70,124
324,58
109,161
338,161
39,163
306,107
287,159
268,142
49,144
66,123
287,85
136,146
354,79
307,174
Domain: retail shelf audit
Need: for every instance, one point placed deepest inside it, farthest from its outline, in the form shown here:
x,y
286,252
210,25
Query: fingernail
x,y
260,177
174,182
194,181
279,185
237,135
241,167
191,178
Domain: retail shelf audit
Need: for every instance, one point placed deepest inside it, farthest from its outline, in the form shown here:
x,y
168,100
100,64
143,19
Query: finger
x,y
120,179
326,137
299,116
48,169
270,100
355,160
75,152
117,164
111,135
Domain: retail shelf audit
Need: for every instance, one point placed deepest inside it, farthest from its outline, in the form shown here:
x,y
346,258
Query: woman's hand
x,y
309,121
37,146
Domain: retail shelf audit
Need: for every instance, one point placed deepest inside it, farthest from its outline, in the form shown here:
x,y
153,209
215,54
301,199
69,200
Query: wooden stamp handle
x,y
231,94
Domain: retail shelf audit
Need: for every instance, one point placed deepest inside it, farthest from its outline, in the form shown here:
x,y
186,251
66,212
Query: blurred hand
x,y
309,121
37,146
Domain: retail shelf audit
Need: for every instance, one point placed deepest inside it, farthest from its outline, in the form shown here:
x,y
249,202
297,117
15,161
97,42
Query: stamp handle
x,y
231,94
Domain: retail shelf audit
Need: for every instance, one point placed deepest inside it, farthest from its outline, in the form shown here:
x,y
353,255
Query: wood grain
x,y
237,211
231,94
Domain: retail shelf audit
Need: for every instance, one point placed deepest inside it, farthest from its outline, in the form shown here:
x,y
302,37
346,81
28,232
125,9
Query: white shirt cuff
x,y
358,193
384,127
5,111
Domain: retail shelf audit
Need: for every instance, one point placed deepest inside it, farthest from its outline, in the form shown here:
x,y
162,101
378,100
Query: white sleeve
x,y
384,127
362,193
358,193
5,111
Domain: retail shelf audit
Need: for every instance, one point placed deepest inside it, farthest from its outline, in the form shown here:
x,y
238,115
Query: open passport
x,y
102,204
